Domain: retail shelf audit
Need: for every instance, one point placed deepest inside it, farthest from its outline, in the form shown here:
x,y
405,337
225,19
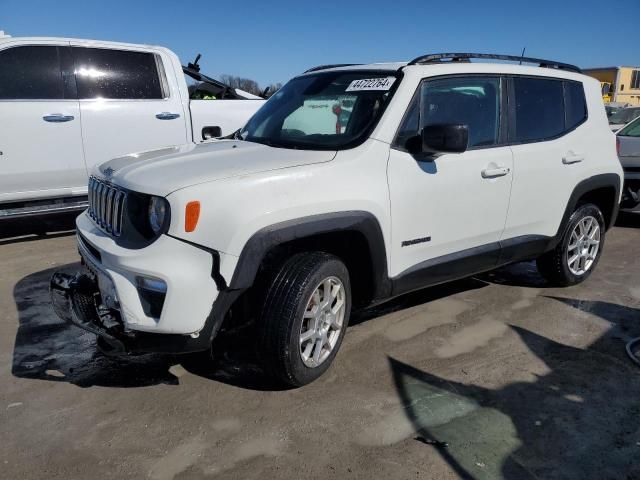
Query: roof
x,y
384,66
9,39
455,67
607,68
456,60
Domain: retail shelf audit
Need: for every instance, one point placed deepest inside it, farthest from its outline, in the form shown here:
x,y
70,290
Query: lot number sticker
x,y
371,84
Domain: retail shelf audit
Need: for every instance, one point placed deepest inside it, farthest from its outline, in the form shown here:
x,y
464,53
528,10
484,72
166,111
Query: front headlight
x,y
158,209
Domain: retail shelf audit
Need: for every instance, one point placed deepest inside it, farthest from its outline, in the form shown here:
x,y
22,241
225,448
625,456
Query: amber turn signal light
x,y
191,216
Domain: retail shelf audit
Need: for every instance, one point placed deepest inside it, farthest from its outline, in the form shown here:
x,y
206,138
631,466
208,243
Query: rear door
x,y
551,148
40,136
125,102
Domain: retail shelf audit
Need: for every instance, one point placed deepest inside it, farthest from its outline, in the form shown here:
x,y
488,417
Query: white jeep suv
x,y
353,184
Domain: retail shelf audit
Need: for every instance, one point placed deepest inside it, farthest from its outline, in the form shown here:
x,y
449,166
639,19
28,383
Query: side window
x,y
575,104
117,74
31,73
539,108
472,101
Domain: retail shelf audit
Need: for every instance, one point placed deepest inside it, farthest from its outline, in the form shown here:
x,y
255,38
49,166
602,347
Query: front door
x,y
126,103
40,137
449,212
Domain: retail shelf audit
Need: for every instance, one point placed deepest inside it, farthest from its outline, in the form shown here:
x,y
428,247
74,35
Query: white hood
x,y
161,172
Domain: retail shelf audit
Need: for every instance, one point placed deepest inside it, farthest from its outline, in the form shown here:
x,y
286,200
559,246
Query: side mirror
x,y
445,138
211,132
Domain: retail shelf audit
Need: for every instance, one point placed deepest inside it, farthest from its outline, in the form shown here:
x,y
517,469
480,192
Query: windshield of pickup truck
x,y
323,111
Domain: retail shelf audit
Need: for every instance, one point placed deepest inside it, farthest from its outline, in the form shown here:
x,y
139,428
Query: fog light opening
x,y
152,284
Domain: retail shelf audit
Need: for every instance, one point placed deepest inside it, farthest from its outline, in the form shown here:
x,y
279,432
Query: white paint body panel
x,y
185,269
46,160
243,187
25,172
448,200
543,183
164,171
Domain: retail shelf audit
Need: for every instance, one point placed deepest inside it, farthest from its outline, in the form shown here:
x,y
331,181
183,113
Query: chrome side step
x,y
17,211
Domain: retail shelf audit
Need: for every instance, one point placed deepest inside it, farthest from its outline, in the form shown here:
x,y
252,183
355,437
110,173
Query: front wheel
x,y
305,317
579,250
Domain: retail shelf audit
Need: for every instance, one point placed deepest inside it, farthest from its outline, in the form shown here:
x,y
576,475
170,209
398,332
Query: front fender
x,y
265,239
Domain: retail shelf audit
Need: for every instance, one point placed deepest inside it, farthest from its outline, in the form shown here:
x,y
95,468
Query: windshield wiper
x,y
271,143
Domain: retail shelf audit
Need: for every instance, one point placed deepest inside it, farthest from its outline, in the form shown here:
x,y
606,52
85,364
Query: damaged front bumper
x,y
76,299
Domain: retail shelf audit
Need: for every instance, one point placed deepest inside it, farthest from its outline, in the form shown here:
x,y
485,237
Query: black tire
x,y
281,320
553,265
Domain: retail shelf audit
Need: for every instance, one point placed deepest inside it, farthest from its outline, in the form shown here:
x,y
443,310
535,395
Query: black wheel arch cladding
x,y
257,247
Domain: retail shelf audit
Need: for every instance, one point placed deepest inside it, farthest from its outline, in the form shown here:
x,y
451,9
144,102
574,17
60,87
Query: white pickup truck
x,y
68,105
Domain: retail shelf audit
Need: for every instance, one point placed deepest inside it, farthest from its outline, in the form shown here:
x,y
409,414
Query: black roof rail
x,y
335,65
466,57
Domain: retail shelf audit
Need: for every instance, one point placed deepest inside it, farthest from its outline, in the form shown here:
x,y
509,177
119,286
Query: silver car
x,y
628,141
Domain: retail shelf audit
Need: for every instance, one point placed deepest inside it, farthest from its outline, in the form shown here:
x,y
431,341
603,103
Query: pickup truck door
x,y
40,137
129,102
448,212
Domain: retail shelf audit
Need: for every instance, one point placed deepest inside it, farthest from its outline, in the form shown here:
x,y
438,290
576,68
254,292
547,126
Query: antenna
x,y
522,56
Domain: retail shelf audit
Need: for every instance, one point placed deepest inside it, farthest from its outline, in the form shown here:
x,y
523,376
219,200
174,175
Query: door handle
x,y
495,172
167,116
57,118
570,158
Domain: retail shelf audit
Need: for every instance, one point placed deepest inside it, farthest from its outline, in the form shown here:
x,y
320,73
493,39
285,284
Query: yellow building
x,y
623,83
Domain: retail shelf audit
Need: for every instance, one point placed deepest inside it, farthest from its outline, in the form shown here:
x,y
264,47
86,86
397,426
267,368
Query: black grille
x,y
106,206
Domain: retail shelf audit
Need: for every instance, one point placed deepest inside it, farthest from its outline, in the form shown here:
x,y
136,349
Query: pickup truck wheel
x,y
305,317
577,254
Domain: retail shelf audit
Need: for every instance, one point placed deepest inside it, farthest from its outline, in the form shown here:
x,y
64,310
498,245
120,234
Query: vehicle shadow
x,y
418,297
577,421
628,220
47,348
37,227
522,274
236,359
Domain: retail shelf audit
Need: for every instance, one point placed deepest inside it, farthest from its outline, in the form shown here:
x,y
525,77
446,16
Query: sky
x,y
272,41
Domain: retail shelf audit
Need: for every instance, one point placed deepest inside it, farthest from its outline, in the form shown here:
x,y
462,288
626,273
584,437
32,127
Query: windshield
x,y
624,116
324,111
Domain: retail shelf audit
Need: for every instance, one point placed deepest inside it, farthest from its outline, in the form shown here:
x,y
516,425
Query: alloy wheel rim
x,y
584,245
322,322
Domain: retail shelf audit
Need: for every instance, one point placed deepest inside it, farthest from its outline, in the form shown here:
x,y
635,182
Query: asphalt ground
x,y
495,376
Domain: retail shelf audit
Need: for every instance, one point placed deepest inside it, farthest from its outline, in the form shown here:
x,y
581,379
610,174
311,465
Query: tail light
x,y
618,145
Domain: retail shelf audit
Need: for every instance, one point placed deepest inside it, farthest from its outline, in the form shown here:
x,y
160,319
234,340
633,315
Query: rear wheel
x,y
579,250
305,317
